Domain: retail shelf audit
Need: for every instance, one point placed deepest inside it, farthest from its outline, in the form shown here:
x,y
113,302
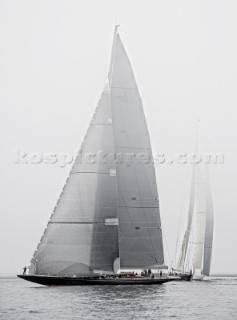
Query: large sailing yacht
x,y
107,217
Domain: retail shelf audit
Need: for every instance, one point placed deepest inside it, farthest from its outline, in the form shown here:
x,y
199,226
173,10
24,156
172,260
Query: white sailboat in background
x,y
196,248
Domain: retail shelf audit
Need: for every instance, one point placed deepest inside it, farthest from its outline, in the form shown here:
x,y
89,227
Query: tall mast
x,y
113,53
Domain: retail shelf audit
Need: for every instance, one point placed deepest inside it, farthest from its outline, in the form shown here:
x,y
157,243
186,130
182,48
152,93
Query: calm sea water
x,y
212,299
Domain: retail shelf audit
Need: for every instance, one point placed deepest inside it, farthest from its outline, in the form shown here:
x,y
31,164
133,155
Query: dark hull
x,y
67,281
186,277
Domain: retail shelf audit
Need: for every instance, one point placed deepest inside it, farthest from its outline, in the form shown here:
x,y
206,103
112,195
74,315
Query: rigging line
x,y
190,217
190,252
112,57
116,185
167,249
113,139
178,231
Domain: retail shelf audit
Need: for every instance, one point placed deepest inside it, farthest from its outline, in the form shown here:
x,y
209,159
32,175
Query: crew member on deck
x,y
24,270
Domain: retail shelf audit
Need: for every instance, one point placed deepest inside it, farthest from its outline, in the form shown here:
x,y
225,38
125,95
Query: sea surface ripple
x,y
211,299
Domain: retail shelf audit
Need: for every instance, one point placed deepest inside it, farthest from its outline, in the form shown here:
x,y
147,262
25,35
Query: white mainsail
x,y
108,210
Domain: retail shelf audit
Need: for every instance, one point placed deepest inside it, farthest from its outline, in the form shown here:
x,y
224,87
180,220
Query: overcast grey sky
x,y
54,58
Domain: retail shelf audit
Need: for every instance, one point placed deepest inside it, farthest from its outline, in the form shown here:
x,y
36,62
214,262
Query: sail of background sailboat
x,y
107,217
196,248
187,235
209,229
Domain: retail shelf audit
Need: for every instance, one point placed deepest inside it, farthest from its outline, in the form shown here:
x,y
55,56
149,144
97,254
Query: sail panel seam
x,y
124,88
138,207
90,172
75,222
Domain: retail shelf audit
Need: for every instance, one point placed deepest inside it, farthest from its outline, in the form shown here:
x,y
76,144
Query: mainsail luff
x,y
140,235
